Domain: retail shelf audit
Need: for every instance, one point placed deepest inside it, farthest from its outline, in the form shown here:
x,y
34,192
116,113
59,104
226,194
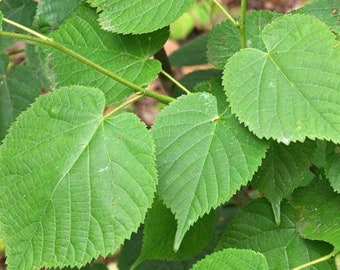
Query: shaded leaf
x,y
325,10
224,39
318,208
332,170
291,90
236,259
138,16
254,227
191,53
159,234
50,13
125,55
74,183
18,89
283,169
204,156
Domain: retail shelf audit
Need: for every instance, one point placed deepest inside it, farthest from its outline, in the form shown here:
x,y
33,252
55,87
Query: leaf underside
x,y
269,91
74,184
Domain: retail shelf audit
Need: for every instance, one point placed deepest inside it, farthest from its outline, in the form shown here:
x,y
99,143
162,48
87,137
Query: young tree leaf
x,y
138,16
283,169
125,55
74,183
325,10
332,166
269,92
18,89
254,228
21,11
236,259
50,13
318,208
203,156
159,234
224,39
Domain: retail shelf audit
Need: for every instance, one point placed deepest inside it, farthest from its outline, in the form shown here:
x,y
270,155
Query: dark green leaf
x,y
318,208
191,53
254,227
74,183
125,55
291,90
236,259
204,156
332,169
138,16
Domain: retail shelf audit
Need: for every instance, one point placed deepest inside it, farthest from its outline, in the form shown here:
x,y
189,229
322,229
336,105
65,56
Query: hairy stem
x,y
41,39
242,26
226,13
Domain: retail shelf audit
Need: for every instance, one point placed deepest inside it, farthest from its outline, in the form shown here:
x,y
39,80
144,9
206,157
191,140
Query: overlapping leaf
x,y
236,259
18,89
291,90
332,168
125,55
254,227
51,13
318,208
225,40
138,16
74,184
204,156
159,234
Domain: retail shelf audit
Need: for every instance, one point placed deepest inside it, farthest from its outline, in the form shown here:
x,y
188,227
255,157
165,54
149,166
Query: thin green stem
x,y
50,42
226,13
181,86
126,103
167,84
243,24
324,258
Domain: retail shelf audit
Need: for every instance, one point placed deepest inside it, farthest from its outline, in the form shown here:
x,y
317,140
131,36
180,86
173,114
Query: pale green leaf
x,y
325,10
291,90
225,40
332,168
1,16
182,27
254,227
18,89
159,234
283,169
125,55
236,259
318,208
138,16
50,13
204,156
74,183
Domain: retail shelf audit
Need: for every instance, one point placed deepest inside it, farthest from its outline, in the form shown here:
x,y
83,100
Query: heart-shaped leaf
x,y
269,90
74,183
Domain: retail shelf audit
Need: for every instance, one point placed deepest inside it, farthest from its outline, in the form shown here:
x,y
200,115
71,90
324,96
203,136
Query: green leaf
x,y
204,156
236,259
191,53
159,235
318,208
125,55
224,39
1,16
254,227
332,170
74,183
283,169
182,27
292,90
20,11
50,13
18,89
138,16
325,10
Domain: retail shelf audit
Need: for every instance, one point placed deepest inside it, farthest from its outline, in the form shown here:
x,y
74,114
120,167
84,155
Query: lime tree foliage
x,y
241,170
